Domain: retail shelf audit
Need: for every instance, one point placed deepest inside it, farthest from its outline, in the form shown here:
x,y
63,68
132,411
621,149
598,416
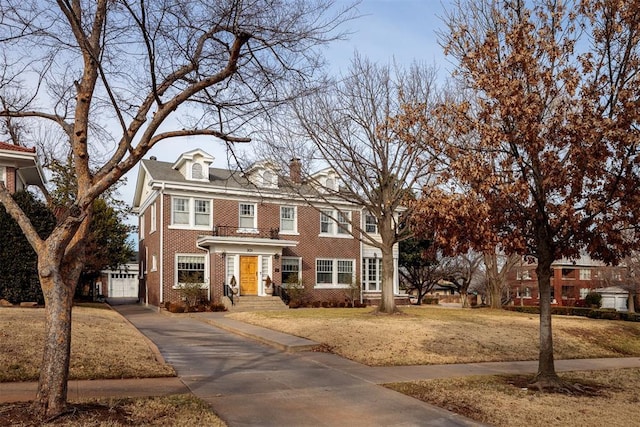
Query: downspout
x,y
362,215
208,279
161,254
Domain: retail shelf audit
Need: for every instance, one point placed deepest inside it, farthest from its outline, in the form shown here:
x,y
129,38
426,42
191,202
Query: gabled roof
x,y
189,155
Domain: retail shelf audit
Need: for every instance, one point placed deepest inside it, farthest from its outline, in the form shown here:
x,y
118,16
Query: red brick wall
x,y
225,213
10,183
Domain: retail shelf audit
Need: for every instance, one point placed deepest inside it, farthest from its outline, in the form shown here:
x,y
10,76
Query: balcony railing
x,y
262,233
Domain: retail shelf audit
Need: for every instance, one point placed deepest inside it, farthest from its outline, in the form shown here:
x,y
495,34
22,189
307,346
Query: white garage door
x,y
123,285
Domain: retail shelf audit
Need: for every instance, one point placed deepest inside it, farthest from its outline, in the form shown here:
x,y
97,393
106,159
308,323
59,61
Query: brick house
x,y
19,167
571,280
248,230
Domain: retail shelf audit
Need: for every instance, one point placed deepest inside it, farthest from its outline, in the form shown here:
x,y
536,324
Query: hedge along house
x,y
248,230
19,167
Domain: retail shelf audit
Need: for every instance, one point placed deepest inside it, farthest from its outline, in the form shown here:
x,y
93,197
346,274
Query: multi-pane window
x,y
324,271
585,274
370,224
290,270
247,215
326,223
523,275
180,211
231,266
334,271
191,212
202,211
371,274
288,219
335,223
190,269
345,272
344,222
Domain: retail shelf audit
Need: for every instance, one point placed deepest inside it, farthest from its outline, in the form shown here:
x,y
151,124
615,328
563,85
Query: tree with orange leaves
x,y
547,140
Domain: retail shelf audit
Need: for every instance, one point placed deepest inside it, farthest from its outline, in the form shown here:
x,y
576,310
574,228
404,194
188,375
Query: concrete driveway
x,y
251,384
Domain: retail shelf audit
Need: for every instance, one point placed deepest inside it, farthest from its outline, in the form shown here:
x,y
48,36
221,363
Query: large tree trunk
x,y
546,376
387,300
493,283
51,398
58,279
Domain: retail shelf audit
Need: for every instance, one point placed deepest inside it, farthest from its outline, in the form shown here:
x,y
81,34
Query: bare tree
x,y
364,129
118,78
463,271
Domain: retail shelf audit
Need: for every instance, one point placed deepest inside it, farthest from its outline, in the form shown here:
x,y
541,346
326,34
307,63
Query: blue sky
x,y
388,30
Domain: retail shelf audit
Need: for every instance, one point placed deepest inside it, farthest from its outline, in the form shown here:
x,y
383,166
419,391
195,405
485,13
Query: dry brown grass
x,y
103,345
434,335
494,400
177,410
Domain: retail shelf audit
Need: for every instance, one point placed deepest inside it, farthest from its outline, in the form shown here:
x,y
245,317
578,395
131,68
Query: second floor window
x,y
370,224
202,212
288,219
190,212
181,211
247,215
335,223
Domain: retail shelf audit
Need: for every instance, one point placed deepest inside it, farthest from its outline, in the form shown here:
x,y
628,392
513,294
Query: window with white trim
x,y
334,272
196,171
190,269
3,175
154,262
288,222
371,274
326,223
585,274
202,212
180,211
335,223
191,212
141,230
523,275
291,267
370,224
247,216
152,225
344,222
231,268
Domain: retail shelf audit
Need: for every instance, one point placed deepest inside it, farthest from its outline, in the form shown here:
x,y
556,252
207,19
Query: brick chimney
x,y
295,171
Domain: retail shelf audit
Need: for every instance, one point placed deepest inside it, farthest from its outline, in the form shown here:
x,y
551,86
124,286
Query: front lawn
x,y
435,335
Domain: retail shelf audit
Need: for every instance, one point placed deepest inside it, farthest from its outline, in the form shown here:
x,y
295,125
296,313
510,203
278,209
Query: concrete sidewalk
x,y
248,383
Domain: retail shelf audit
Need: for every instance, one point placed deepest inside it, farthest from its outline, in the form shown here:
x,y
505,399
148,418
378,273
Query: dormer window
x,y
263,174
196,171
194,165
330,183
267,178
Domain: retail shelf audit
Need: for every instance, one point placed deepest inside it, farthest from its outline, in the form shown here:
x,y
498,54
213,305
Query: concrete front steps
x,y
256,303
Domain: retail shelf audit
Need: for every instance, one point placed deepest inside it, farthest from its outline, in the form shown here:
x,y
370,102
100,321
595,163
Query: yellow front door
x,y
248,275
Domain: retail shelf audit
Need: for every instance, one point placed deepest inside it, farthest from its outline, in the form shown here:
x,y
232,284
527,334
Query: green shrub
x,y
19,280
430,300
593,299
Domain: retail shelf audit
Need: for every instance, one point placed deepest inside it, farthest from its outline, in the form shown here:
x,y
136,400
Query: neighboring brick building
x,y
220,227
19,167
571,280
